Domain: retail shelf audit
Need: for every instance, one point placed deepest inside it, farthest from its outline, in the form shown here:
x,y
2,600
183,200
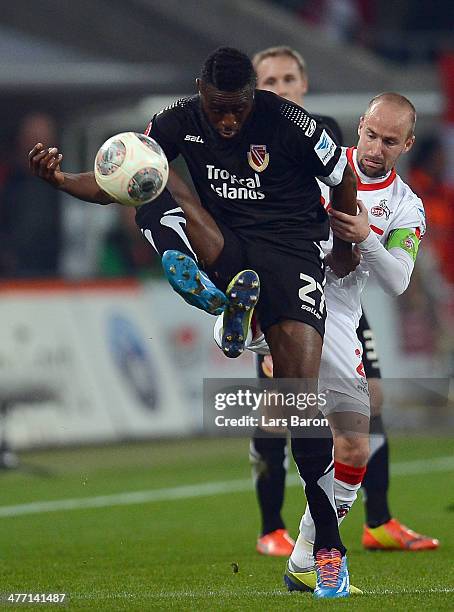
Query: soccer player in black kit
x,y
253,158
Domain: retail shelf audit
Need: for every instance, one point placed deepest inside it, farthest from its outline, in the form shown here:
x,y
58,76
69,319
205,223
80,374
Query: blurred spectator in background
x,y
427,308
125,252
29,210
427,178
428,25
447,82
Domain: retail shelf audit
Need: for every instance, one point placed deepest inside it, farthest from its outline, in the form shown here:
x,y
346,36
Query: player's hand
x,y
343,265
350,228
45,163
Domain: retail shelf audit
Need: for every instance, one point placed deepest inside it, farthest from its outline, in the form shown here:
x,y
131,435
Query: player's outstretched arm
x,y
44,162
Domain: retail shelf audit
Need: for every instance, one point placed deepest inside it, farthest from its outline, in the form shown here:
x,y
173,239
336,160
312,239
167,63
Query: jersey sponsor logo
x,y
381,210
233,187
192,138
258,158
311,129
325,147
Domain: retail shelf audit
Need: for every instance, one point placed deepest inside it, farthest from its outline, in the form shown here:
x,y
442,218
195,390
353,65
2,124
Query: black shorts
x,y
370,356
291,285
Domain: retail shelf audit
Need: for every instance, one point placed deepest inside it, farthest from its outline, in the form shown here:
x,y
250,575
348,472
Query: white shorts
x,y
341,367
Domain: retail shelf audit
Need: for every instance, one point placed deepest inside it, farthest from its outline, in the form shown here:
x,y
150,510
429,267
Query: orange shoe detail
x,y
395,536
276,544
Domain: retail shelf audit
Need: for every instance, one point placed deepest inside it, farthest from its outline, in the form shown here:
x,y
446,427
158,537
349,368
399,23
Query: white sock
x,y
302,555
345,494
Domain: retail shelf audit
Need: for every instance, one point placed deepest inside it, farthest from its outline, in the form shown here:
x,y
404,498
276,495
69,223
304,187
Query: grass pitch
x,y
172,546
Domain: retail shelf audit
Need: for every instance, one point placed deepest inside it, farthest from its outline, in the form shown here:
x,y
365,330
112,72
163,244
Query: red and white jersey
x,y
392,205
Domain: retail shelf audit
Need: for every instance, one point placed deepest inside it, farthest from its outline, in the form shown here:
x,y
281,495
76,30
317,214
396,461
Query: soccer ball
x,y
132,168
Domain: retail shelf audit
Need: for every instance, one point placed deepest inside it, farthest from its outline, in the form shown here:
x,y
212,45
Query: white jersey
x,y
392,205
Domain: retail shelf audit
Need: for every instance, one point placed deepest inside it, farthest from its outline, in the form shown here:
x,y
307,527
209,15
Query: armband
x,y
404,239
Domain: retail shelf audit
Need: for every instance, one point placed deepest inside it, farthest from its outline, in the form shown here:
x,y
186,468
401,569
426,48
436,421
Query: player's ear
x,y
198,83
409,143
360,125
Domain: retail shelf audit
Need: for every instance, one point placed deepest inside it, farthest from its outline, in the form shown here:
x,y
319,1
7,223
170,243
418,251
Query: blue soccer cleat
x,y
192,284
332,574
305,580
243,293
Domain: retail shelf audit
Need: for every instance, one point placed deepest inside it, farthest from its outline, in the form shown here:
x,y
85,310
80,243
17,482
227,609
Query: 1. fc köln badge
x,y
258,158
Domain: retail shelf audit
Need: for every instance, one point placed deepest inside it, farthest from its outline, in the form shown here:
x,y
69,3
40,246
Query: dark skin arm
x,y
204,235
343,259
45,163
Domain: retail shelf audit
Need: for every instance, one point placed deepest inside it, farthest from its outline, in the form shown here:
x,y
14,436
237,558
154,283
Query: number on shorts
x,y
311,286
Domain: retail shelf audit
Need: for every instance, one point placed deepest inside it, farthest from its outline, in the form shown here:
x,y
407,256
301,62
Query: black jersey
x,y
261,183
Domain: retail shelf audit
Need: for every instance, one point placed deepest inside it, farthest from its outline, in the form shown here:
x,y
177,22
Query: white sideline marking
x,y
403,468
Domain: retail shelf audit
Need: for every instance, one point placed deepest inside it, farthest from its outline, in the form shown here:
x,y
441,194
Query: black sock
x,y
313,457
163,224
268,458
376,479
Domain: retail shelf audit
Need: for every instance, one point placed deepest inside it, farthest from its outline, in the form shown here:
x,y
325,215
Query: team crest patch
x,y
258,158
408,244
381,210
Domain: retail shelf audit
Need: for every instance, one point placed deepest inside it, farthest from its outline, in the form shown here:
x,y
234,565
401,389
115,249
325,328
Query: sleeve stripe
x,y
338,171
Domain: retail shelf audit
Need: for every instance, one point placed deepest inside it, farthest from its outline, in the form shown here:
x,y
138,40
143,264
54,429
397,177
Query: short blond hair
x,y
281,51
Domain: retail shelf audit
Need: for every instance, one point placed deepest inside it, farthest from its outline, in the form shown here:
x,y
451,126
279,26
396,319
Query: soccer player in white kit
x,y
387,232
283,71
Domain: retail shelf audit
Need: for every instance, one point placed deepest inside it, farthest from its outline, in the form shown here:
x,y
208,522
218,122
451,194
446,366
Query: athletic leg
x,y
296,350
184,254
269,460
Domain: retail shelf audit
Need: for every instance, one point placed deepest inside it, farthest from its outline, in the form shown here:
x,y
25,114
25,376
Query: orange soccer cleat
x,y
395,536
276,544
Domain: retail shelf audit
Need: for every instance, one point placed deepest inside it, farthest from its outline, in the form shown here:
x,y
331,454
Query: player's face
x,y
384,134
226,110
282,76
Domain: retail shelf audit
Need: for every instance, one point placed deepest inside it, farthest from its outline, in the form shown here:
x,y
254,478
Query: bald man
x,y
283,71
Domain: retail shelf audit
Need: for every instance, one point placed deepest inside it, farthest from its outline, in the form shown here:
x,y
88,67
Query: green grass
x,y
177,555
